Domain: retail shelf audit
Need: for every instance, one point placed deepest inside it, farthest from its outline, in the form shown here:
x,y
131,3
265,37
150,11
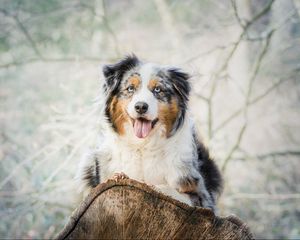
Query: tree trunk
x,y
128,209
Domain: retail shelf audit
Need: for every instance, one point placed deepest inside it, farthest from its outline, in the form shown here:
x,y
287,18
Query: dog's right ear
x,y
110,79
114,73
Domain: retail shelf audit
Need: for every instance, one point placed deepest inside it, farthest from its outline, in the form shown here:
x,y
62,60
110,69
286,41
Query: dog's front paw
x,y
173,193
188,185
119,176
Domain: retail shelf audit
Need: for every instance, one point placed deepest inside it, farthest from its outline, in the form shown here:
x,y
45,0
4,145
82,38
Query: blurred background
x,y
244,57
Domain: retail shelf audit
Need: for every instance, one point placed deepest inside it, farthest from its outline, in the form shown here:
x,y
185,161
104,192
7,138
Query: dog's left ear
x,y
180,82
114,73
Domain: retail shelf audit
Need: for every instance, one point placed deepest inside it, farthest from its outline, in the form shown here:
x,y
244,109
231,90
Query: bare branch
x,y
217,48
109,28
241,21
234,148
244,32
210,109
283,196
198,95
267,91
284,153
261,13
168,23
53,60
258,65
251,81
280,153
263,35
25,32
105,21
251,102
28,37
226,62
228,59
248,96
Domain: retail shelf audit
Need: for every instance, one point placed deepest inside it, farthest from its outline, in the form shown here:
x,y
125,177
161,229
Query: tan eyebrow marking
x,y
135,81
152,83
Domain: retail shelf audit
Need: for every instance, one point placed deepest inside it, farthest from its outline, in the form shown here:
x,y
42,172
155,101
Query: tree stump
x,y
127,209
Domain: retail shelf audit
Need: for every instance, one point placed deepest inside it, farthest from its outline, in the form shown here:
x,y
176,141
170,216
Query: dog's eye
x,y
130,89
157,89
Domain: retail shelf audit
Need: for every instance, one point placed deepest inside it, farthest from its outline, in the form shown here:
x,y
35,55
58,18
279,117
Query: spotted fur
x,y
170,155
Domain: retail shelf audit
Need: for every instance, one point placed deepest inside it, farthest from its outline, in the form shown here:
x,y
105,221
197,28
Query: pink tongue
x,y
142,128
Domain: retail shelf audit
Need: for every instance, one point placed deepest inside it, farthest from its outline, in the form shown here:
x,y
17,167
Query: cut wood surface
x,y
127,209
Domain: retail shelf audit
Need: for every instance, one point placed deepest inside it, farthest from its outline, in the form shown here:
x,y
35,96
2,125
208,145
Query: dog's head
x,y
145,97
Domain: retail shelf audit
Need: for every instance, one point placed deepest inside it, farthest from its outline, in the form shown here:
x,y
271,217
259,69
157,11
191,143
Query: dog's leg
x,y
196,189
91,171
187,180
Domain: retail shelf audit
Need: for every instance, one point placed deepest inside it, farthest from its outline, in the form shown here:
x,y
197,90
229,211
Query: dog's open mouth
x,y
142,127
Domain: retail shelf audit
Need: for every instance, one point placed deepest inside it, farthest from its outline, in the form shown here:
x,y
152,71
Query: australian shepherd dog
x,y
150,136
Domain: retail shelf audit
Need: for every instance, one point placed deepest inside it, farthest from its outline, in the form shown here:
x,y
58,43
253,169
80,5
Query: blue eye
x,y
157,89
130,89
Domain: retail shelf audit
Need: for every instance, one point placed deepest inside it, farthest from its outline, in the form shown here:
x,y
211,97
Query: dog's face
x,y
145,97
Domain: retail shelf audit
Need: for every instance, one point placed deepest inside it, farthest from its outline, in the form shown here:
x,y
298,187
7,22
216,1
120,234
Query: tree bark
x,y
128,209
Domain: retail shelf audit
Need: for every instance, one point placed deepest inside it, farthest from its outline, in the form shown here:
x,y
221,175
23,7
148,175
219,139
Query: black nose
x,y
141,107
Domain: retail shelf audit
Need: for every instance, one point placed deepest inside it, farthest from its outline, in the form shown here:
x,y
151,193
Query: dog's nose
x,y
141,107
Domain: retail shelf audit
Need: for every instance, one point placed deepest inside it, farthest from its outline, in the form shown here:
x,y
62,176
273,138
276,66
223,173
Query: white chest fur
x,y
143,163
157,161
